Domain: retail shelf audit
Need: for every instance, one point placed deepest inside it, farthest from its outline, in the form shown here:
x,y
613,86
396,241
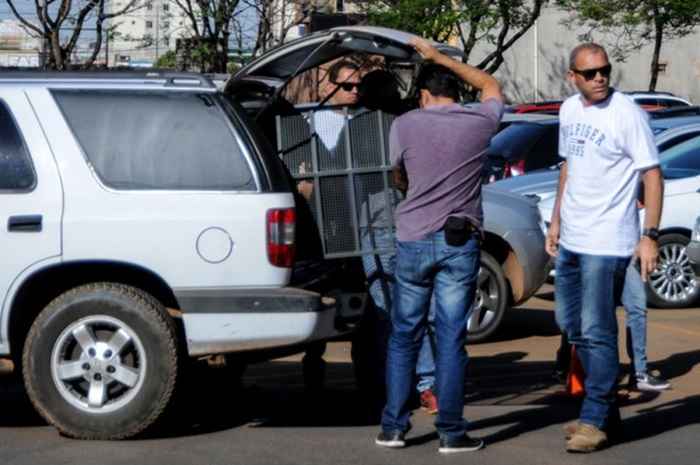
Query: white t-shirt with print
x,y
606,146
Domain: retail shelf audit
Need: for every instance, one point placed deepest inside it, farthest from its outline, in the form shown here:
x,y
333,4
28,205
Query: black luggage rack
x,y
353,198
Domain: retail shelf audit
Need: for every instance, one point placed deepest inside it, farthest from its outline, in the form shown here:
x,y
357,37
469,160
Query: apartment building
x,y
144,34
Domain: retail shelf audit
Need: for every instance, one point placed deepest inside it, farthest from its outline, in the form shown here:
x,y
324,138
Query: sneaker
x,y
459,444
647,382
429,402
571,428
393,439
587,438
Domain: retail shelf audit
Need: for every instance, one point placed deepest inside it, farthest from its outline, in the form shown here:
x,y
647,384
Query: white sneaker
x,y
647,382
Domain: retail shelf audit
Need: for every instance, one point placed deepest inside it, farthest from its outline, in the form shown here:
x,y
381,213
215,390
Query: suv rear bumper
x,y
233,320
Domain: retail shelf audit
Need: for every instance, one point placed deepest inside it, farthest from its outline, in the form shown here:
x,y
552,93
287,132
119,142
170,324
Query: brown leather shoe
x,y
571,428
587,438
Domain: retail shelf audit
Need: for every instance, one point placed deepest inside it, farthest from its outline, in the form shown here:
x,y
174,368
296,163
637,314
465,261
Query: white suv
x,y
133,205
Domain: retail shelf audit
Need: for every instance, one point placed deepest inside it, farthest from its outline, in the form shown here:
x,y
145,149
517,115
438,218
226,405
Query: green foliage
x,y
166,60
500,23
433,19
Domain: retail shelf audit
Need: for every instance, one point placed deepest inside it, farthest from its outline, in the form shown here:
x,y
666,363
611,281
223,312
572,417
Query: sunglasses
x,y
589,74
348,86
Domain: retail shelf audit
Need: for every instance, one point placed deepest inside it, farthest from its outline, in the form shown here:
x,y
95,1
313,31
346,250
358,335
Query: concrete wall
x,y
535,66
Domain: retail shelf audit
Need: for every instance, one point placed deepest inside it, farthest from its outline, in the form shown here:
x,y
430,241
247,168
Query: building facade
x,y
143,35
17,47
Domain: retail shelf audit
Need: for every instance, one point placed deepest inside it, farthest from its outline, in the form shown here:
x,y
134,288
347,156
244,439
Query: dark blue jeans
x,y
380,270
586,291
448,273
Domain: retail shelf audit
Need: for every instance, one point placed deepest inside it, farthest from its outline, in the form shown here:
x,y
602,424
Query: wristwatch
x,y
651,233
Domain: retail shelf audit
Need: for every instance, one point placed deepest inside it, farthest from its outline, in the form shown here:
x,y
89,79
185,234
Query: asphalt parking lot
x,y
512,401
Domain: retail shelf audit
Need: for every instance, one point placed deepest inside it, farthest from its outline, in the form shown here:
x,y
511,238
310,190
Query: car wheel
x,y
491,300
100,361
673,283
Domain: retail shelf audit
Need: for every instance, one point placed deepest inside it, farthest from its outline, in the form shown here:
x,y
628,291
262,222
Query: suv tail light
x,y
280,237
514,169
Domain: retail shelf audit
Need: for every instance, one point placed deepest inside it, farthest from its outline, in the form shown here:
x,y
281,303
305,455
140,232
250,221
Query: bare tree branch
x,y
21,19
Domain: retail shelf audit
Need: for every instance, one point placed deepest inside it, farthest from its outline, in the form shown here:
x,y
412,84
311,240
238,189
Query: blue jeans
x,y
586,290
634,299
379,270
426,268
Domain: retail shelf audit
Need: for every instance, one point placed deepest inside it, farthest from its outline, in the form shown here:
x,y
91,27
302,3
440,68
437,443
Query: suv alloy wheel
x,y
100,361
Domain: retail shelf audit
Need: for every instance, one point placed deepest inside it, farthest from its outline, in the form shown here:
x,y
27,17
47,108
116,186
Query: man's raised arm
x,y
474,77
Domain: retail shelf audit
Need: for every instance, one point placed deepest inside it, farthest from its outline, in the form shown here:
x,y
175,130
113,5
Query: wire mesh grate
x,y
345,156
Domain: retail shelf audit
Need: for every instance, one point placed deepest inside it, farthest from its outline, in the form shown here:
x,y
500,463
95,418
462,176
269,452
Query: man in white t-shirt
x,y
608,147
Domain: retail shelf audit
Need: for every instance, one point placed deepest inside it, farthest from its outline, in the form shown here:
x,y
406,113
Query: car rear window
x,y
515,141
157,140
16,170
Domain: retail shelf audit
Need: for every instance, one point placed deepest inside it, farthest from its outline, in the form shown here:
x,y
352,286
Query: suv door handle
x,y
24,223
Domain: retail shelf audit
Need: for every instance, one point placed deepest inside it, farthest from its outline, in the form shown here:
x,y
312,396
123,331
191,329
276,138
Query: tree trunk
x,y
658,39
57,62
222,53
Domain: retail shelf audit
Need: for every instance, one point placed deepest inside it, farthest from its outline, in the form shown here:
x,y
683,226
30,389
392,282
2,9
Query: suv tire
x,y
491,300
100,361
673,283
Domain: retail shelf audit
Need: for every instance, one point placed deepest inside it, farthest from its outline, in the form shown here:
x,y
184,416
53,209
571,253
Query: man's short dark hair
x,y
335,68
589,47
439,81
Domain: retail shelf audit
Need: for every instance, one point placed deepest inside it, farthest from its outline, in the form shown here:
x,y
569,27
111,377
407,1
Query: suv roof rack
x,y
675,112
169,77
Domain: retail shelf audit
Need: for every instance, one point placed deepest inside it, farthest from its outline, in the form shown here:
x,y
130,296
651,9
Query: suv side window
x,y
16,170
157,140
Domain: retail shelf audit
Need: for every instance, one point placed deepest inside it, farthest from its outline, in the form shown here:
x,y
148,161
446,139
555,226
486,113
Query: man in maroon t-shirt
x,y
441,147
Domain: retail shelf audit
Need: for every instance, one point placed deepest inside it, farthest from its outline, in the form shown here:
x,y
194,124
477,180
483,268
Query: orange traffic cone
x,y
574,382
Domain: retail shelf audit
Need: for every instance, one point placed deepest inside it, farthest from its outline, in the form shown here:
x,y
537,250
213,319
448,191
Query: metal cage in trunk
x,y
345,155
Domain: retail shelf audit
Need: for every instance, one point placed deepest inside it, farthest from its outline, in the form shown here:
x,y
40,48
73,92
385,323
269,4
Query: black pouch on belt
x,y
457,230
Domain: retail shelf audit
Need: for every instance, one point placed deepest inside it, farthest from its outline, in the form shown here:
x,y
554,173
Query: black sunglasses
x,y
348,86
589,74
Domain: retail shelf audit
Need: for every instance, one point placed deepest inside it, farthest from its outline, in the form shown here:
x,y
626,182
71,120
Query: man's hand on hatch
x,y
424,48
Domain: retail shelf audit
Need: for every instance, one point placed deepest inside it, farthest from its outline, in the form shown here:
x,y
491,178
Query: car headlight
x,y
696,231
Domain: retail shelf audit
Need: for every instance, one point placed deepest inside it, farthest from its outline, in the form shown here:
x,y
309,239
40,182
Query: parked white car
x,y
657,100
673,283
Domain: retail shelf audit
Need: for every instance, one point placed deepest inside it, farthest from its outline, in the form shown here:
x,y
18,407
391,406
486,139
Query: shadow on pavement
x,y
521,323
273,394
661,418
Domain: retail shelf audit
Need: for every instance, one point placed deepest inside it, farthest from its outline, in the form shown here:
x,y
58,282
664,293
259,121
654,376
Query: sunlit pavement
x,y
512,402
